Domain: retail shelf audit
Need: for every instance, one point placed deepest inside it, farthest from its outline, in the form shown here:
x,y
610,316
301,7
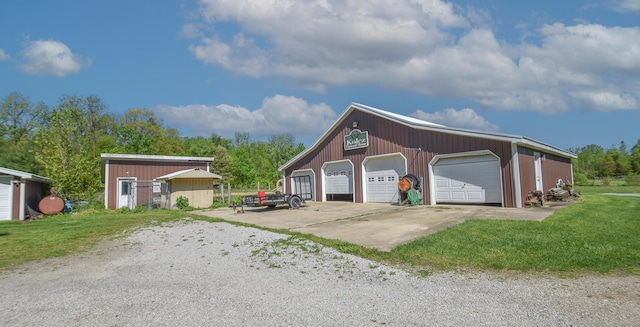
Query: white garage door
x,y
382,176
382,186
338,178
5,198
468,179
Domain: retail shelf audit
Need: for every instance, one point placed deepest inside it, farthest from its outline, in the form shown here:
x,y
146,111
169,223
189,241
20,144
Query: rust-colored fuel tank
x,y
51,205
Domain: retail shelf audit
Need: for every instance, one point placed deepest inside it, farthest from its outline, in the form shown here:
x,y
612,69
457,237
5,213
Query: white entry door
x,y
538,170
126,193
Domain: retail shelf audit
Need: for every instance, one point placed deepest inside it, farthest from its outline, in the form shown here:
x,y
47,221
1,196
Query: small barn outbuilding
x,y
194,184
20,191
132,180
365,153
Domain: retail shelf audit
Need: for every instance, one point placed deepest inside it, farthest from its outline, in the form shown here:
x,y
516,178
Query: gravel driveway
x,y
195,273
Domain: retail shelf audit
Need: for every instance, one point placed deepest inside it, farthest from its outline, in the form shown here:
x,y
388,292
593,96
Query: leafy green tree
x,y
608,166
139,131
223,164
69,147
198,146
205,147
623,161
244,173
283,148
589,160
266,173
241,139
635,157
19,119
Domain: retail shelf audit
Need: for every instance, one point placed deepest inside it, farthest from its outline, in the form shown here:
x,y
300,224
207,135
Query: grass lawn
x,y
599,233
63,234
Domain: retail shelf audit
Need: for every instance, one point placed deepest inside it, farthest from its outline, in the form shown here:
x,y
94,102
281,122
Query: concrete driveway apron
x,y
381,226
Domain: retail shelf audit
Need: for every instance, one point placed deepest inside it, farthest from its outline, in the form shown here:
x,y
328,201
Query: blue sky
x,y
562,72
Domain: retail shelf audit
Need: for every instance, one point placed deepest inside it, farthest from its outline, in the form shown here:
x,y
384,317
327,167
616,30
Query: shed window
x,y
125,188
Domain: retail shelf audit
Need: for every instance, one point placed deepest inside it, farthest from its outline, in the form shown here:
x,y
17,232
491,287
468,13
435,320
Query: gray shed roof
x,y
190,174
147,157
23,175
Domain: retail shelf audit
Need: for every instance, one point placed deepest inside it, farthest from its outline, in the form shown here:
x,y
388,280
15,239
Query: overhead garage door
x,y
468,179
382,174
339,178
5,198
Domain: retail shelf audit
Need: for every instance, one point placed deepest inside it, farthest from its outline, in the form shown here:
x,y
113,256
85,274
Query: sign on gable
x,y
356,140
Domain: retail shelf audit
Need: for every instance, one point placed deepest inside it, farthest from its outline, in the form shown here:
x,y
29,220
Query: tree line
x,y
64,143
595,161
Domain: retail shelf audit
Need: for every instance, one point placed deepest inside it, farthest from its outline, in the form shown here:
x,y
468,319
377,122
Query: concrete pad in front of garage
x,y
375,225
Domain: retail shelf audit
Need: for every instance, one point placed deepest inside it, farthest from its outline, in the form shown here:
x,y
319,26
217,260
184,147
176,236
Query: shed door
x,y
126,193
5,198
468,179
338,178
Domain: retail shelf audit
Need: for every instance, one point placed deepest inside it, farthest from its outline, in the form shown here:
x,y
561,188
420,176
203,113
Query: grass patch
x,y
608,189
598,234
63,234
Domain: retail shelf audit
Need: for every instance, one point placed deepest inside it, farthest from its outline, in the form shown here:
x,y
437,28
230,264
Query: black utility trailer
x,y
272,200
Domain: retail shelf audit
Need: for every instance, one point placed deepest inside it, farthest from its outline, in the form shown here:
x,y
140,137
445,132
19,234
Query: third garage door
x,y
382,174
468,179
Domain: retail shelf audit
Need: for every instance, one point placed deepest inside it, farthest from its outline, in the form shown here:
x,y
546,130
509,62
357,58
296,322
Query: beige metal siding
x,y
199,191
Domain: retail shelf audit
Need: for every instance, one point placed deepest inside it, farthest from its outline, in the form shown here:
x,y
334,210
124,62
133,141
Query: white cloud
x,y
605,100
4,56
278,114
190,31
465,118
52,58
424,46
626,5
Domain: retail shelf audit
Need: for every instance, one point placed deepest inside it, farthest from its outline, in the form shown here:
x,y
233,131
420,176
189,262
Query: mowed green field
x,y
597,233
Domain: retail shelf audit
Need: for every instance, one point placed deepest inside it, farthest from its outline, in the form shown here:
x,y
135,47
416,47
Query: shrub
x,y
632,180
581,179
182,203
